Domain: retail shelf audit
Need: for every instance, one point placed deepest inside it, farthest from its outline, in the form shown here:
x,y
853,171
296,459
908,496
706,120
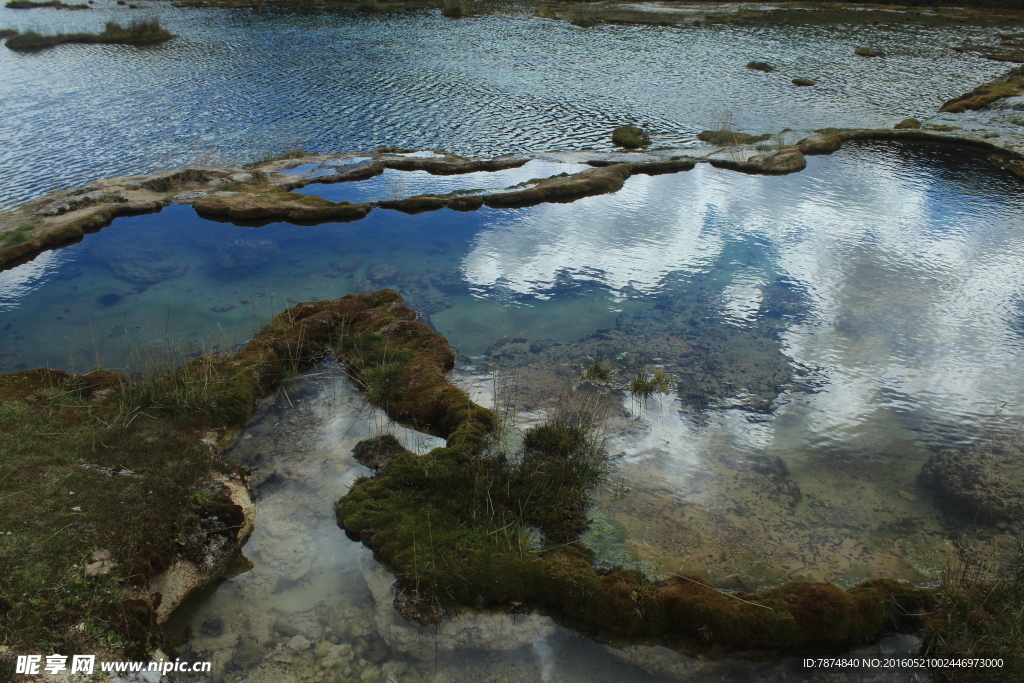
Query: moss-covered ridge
x,y
449,525
1009,84
473,527
146,32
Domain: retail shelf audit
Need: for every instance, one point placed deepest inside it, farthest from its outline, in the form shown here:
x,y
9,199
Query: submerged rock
x,y
985,480
244,253
382,271
145,265
343,266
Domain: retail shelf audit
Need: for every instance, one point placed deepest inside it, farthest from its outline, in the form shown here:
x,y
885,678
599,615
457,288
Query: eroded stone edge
x,y
262,195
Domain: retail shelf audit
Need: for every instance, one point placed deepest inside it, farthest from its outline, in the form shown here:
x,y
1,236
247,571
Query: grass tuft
x,y
980,614
644,386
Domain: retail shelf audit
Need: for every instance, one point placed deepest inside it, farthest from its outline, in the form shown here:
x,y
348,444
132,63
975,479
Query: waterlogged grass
x,y
478,519
647,384
141,32
981,615
454,9
56,4
85,470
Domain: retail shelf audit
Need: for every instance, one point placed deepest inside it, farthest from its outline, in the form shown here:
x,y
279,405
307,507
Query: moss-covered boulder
x,y
630,137
908,124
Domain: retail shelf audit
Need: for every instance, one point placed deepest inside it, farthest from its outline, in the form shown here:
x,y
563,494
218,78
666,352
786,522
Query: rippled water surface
x,y
237,83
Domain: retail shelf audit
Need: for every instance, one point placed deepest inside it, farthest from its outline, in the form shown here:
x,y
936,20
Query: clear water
x,y
888,276
238,83
316,607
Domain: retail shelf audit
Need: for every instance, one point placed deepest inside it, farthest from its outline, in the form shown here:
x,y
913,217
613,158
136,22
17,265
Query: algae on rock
x,y
630,137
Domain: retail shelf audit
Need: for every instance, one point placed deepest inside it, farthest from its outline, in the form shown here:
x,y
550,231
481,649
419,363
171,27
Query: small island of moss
x,y
148,32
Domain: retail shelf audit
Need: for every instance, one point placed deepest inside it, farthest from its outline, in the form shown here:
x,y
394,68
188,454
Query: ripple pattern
x,y
238,83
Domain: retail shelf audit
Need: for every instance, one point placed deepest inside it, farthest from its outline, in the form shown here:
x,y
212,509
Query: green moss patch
x,y
84,471
106,462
